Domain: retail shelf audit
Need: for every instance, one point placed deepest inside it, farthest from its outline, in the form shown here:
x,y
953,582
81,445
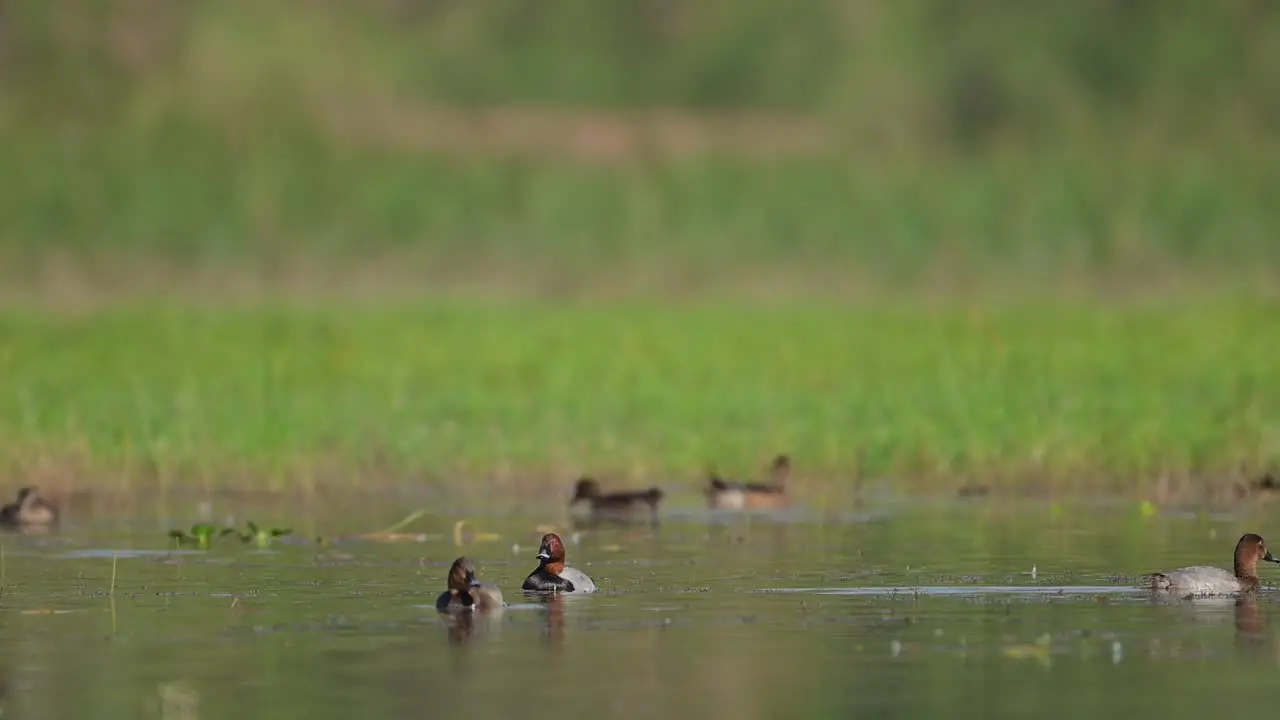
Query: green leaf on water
x,y
261,536
202,535
202,530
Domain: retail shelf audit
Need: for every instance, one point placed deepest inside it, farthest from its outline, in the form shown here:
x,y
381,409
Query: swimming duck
x,y
729,495
466,592
590,505
1205,580
30,509
1260,489
552,575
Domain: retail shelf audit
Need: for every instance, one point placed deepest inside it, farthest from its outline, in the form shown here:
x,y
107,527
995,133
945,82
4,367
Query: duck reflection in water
x,y
461,627
553,628
1252,637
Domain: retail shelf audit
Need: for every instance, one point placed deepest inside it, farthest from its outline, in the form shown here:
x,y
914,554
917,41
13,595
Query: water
x,y
955,610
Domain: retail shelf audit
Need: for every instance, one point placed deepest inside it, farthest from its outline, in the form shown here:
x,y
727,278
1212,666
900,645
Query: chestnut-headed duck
x,y
466,592
552,574
30,509
1206,580
590,505
729,495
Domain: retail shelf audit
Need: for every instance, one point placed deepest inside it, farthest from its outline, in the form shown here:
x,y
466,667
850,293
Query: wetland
x,y
960,608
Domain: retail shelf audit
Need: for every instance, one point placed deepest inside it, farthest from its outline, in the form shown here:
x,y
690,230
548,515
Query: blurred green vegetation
x,y
562,145
1064,394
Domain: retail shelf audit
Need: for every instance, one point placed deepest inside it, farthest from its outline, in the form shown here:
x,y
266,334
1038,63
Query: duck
x,y
29,509
1260,489
552,575
725,494
1204,580
466,592
590,505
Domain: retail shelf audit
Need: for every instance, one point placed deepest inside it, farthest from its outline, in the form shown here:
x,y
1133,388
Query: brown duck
x,y
591,506
465,592
30,509
725,494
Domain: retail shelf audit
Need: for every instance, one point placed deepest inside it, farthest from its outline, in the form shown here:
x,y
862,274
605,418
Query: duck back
x,y
487,597
1196,580
582,583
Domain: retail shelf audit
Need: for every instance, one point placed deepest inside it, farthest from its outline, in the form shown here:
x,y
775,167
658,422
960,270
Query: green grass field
x,y
1034,250
470,392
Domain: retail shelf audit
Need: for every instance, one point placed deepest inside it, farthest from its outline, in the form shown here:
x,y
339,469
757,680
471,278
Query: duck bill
x,y
1271,558
543,554
473,582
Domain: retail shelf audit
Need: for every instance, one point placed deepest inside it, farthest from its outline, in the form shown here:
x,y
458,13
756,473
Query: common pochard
x,y
1206,580
552,574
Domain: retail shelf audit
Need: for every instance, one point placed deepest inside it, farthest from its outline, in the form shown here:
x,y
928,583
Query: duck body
x,y
480,598
728,495
590,506
580,581
1198,580
569,580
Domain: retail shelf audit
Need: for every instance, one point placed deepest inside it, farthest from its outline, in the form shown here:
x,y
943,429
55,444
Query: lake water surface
x,y
972,609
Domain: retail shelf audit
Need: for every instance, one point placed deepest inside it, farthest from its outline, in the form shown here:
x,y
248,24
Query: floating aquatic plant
x,y
261,536
201,535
